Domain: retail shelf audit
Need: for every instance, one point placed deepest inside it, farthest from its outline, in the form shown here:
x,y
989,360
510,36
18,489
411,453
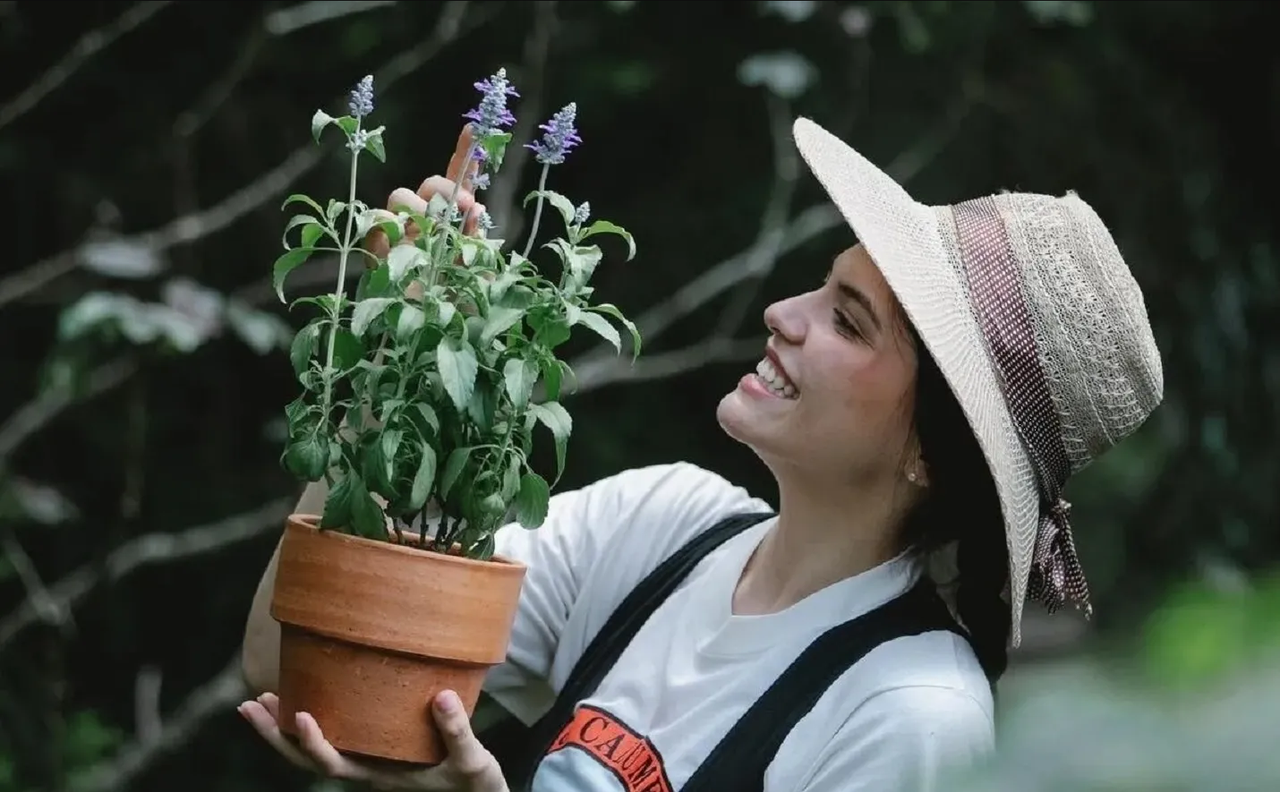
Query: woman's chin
x,y
743,418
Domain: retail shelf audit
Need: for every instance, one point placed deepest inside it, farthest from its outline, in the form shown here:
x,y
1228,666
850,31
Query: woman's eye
x,y
844,324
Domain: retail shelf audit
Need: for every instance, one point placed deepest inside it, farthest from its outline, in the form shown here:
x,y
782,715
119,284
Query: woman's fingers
x,y
468,759
263,719
466,200
322,752
455,170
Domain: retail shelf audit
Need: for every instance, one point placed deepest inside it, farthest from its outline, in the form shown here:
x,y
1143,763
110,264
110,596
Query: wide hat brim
x,y
902,237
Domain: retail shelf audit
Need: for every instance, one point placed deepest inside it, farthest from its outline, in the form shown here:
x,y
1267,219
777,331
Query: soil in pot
x,y
371,631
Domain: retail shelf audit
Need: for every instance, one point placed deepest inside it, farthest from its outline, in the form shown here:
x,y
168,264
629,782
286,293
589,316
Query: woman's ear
x,y
917,472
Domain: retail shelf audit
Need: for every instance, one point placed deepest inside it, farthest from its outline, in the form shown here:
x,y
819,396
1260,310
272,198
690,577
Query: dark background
x,y
145,150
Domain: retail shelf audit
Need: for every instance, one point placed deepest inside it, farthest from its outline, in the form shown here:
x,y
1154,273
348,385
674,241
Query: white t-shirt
x,y
897,720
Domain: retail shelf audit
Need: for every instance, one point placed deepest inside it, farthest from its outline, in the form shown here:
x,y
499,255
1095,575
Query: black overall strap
x,y
612,639
739,761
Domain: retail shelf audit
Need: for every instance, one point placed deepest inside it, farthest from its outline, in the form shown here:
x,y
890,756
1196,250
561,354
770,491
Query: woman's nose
x,y
783,318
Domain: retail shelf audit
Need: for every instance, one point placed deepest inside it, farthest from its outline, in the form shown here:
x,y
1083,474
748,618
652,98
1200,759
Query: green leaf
x,y
553,415
307,457
373,282
393,230
390,441
348,350
563,204
551,374
495,148
410,322
300,198
319,121
445,311
606,227
499,321
375,146
483,405
312,228
288,262
511,477
311,234
549,327
348,124
602,328
453,469
304,347
337,505
616,313
533,500
458,368
427,417
519,376
366,311
424,478
367,518
401,259
498,286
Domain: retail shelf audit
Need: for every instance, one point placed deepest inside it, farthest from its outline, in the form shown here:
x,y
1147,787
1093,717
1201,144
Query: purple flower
x,y
560,137
362,97
492,113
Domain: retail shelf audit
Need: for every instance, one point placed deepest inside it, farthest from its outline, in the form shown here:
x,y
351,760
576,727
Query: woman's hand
x,y
469,767
416,201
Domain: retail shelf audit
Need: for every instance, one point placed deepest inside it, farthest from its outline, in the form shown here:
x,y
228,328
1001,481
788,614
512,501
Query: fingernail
x,y
449,702
243,714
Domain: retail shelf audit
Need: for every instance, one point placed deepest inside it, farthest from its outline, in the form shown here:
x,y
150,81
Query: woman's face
x,y
832,398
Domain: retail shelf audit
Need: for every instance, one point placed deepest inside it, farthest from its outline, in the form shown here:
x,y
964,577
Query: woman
x,y
926,403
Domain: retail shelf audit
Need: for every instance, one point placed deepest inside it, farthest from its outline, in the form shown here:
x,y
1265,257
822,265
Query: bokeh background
x,y
145,150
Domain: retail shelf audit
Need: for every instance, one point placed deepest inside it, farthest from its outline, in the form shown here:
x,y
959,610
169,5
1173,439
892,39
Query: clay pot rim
x,y
311,522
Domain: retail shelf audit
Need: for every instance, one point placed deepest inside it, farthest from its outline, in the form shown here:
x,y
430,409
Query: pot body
x,y
371,631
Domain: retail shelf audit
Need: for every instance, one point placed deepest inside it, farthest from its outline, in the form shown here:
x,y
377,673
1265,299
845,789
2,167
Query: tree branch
x,y
210,699
295,17
42,602
211,98
664,365
147,719
196,225
147,549
40,411
90,44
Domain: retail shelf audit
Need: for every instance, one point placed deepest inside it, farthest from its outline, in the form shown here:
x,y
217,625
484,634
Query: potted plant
x,y
418,410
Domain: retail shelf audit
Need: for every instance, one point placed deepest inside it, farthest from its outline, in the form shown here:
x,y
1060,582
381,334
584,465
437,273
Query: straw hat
x,y
1035,321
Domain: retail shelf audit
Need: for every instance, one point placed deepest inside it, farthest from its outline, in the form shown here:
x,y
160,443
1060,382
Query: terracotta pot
x,y
371,631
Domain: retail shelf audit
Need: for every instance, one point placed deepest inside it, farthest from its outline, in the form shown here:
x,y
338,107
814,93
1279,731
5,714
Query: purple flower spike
x,y
492,114
361,103
560,137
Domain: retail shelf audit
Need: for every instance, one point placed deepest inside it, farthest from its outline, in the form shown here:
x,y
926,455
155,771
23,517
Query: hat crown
x,y
1093,339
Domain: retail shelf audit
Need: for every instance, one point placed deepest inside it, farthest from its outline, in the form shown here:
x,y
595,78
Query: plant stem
x,y
453,198
340,290
537,212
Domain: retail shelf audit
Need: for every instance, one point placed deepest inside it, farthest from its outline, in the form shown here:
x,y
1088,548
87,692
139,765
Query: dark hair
x,y
961,503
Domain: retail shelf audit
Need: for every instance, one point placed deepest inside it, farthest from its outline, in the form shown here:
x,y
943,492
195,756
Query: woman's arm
x,y
260,654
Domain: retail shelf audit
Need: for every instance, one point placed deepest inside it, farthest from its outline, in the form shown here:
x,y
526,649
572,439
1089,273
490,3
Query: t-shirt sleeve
x,y
906,739
597,543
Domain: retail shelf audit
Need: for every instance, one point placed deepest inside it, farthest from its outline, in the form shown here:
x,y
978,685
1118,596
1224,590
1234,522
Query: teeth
x,y
774,380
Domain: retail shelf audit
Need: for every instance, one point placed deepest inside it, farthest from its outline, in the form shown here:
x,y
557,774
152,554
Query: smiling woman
x,y
927,403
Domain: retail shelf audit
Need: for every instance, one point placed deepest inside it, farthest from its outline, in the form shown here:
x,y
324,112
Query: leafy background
x,y
146,148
